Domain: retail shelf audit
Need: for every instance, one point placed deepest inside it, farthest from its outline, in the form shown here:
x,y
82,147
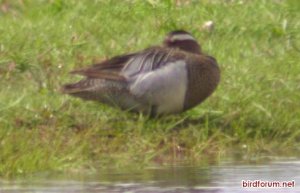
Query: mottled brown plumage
x,y
204,77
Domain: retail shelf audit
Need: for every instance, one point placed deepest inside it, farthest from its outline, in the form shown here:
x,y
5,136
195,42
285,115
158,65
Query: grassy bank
x,y
255,110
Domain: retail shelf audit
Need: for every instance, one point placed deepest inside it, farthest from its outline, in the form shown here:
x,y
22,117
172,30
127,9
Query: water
x,y
223,178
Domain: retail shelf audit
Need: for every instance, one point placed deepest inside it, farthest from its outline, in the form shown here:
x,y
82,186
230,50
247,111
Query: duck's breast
x,y
203,79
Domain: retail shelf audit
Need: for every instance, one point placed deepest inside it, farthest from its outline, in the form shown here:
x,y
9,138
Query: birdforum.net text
x,y
267,184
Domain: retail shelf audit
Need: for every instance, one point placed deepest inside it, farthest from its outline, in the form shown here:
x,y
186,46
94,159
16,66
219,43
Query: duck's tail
x,y
101,90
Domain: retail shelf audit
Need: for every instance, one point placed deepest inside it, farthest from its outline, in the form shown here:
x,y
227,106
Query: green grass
x,y
254,112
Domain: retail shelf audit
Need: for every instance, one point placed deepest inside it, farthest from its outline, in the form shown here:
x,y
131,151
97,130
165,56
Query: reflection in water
x,y
224,178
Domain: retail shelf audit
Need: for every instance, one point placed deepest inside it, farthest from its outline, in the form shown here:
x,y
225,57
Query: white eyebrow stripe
x,y
182,37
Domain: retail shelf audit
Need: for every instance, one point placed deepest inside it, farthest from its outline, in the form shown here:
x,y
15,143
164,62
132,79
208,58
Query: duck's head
x,y
182,40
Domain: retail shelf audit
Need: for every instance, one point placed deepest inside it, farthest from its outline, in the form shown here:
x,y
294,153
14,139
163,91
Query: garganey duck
x,y
159,80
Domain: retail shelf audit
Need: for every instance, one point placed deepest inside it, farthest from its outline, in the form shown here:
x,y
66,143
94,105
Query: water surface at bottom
x,y
223,178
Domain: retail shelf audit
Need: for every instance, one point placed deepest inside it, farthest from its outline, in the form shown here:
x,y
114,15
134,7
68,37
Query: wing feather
x,y
130,65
